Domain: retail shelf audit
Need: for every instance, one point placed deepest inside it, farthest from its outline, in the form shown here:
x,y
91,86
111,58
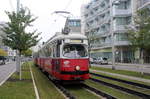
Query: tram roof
x,y
67,36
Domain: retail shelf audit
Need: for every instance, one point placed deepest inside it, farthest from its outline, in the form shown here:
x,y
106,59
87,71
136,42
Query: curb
x,y
35,88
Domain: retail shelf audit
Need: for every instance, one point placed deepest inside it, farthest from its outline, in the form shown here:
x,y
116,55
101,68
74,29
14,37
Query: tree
x,y
17,36
139,33
27,52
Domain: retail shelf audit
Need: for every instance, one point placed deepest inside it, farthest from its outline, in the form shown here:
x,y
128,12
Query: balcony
x,y
121,43
120,28
103,45
121,12
103,33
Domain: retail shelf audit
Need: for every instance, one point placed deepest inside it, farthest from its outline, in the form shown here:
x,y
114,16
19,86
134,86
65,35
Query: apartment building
x,y
74,24
105,23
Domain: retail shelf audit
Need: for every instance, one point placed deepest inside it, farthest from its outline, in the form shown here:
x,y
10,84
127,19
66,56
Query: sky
x,y
48,23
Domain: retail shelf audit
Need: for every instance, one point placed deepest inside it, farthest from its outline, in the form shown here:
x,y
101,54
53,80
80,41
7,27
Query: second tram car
x,y
65,57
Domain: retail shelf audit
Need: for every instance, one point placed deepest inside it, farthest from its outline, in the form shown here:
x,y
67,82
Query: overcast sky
x,y
47,23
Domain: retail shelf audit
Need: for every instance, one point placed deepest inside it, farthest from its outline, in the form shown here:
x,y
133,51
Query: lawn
x,y
13,88
114,92
45,87
123,72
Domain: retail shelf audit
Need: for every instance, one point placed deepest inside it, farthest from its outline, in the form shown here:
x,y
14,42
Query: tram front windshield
x,y
74,51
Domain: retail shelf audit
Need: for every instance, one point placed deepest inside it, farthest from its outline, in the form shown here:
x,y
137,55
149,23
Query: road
x,y
6,71
130,67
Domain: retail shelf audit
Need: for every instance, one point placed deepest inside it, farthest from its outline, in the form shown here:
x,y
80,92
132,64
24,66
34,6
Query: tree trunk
x,y
18,62
141,59
141,56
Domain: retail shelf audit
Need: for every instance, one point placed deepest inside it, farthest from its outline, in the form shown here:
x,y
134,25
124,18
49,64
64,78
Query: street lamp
x,y
112,2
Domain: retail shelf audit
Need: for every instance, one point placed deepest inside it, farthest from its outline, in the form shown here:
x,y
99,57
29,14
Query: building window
x,y
103,5
123,20
75,23
121,37
86,15
123,5
96,8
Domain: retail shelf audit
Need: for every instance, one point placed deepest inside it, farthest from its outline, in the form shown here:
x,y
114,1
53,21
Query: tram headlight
x,y
77,67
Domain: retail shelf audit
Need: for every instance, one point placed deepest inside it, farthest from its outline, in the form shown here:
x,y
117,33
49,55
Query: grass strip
x,y
123,72
132,87
80,92
118,77
13,88
45,88
114,92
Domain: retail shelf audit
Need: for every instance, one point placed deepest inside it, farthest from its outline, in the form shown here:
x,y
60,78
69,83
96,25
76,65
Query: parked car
x,y
2,60
102,60
93,60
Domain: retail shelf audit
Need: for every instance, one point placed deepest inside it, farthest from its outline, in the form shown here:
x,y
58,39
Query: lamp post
x,y
112,2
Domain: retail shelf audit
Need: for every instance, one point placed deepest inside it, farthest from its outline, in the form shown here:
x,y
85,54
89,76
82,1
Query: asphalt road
x,y
6,71
138,68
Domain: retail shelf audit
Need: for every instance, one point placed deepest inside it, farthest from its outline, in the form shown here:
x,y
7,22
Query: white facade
x,y
102,18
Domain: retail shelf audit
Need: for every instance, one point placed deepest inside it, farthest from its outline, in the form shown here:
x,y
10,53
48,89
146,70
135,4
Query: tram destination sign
x,y
76,41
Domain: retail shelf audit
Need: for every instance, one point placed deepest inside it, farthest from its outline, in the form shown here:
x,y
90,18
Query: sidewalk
x,y
124,76
133,64
6,71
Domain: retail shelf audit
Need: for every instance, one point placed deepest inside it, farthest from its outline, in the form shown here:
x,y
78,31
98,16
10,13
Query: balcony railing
x,y
120,28
121,12
121,43
94,46
108,44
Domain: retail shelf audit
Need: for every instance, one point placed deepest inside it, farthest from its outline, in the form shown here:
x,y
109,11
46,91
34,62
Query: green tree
x,y
17,36
27,52
139,34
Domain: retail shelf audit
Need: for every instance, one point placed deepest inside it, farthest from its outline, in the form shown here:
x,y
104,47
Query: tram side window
x,y
54,51
49,51
58,50
45,52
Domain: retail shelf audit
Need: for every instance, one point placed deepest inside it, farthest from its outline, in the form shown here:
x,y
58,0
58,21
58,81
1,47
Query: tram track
x,y
91,89
60,88
65,91
123,81
144,96
68,95
98,92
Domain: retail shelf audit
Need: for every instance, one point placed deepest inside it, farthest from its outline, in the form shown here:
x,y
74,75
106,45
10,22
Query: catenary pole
x,y
18,65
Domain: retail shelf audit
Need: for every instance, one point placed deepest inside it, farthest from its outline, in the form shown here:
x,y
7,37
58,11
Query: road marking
x,y
35,88
7,77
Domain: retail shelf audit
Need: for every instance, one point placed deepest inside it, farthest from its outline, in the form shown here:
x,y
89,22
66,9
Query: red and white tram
x,y
65,57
